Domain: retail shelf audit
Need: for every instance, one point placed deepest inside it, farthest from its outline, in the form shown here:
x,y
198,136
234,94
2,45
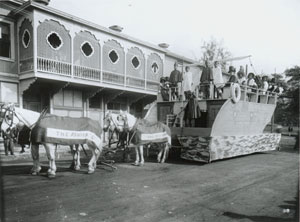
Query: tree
x,y
214,50
280,80
287,110
293,89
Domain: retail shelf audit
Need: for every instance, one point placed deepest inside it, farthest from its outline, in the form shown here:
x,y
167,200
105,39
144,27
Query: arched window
x,y
26,38
87,49
154,67
114,57
54,40
135,62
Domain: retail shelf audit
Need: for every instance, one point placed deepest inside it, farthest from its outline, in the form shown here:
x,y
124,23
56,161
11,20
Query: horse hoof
x,y
51,176
135,164
77,168
34,173
91,171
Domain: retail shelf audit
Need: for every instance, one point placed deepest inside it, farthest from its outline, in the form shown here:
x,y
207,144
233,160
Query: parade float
x,y
227,127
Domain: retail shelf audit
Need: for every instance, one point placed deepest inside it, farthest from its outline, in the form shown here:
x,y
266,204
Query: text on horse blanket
x,y
146,132
66,130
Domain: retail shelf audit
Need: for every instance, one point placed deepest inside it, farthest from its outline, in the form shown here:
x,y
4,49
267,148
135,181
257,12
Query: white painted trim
x,y
50,76
93,50
101,61
12,40
35,26
146,73
125,69
117,55
56,49
23,43
136,68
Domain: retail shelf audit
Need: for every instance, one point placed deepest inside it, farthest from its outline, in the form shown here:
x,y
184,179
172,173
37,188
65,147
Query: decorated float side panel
x,y
26,46
242,118
195,148
222,147
86,50
53,41
135,68
113,62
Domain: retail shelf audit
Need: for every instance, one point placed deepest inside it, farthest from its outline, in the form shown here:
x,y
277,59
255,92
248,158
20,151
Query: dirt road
x,y
259,187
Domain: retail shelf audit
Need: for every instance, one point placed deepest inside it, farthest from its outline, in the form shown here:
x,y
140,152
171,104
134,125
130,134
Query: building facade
x,y
76,68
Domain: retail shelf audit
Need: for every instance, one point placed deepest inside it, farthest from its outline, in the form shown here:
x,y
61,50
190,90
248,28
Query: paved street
x,y
258,187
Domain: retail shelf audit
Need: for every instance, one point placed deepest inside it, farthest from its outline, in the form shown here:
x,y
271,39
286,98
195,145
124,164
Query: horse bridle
x,y
8,118
111,120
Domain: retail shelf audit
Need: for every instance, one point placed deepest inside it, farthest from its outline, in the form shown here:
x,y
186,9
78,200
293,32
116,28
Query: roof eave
x,y
76,19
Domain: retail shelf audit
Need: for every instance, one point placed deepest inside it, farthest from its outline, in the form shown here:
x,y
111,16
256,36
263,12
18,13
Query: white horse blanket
x,y
145,132
66,130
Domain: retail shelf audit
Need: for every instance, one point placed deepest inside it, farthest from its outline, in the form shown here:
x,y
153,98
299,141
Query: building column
x,y
51,108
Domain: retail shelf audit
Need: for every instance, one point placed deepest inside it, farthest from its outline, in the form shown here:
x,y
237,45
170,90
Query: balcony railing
x,y
81,72
111,77
53,66
135,82
152,85
87,73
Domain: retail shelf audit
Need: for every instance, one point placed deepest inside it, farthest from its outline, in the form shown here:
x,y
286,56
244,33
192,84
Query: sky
x,y
268,30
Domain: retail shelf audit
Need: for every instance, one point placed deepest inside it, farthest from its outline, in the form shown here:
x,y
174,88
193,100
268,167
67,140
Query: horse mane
x,y
28,117
131,119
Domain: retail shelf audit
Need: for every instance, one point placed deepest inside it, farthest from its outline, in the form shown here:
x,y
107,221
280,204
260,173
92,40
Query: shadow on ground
x,y
292,205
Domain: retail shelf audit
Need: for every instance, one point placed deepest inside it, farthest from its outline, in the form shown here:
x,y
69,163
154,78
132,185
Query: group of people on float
x,y
212,82
254,81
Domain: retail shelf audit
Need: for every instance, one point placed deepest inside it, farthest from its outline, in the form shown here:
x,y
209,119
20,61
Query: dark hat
x,y
251,74
231,69
265,77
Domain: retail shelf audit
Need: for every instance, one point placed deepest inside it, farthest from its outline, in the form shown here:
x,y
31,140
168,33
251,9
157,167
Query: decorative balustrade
x,y
152,85
111,77
135,82
53,66
65,69
26,65
87,73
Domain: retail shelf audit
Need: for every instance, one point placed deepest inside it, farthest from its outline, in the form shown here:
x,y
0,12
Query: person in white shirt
x,y
251,81
187,83
265,84
241,78
218,78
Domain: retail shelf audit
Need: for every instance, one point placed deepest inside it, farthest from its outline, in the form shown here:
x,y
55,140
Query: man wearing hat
x,y
175,80
206,80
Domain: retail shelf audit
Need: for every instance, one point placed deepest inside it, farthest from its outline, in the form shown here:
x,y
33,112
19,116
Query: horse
x,y
142,132
17,117
111,124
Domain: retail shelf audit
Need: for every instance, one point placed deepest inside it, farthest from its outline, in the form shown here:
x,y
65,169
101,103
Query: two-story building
x,y
49,58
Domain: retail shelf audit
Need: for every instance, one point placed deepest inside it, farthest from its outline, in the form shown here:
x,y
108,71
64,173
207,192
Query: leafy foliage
x,y
214,50
287,110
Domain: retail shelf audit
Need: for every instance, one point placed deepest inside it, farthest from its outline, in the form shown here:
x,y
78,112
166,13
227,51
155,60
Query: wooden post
x,y
272,123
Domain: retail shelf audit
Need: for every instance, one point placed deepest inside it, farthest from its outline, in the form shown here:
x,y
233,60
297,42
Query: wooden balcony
x,y
102,76
55,67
